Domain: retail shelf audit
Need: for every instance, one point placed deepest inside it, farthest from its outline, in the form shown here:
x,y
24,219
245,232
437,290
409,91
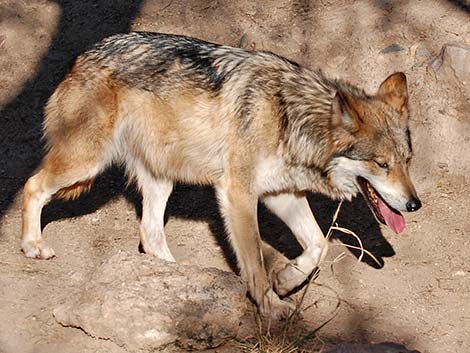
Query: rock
x,y
246,42
143,303
453,58
370,348
421,54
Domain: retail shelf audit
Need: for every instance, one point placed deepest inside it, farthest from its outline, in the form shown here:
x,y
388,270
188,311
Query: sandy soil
x,y
419,294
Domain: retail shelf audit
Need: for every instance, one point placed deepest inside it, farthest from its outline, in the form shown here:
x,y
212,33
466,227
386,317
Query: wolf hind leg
x,y
155,194
37,192
64,178
79,127
295,212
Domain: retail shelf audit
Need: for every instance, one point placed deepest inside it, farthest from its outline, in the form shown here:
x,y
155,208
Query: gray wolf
x,y
256,126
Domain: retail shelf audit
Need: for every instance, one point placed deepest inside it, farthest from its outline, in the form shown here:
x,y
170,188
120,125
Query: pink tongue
x,y
393,218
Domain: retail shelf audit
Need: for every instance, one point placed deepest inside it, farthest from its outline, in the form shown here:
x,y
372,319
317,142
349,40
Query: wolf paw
x,y
289,278
297,271
282,310
37,250
277,309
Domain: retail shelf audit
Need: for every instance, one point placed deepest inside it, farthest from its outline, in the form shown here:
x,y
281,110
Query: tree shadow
x,y
200,203
461,4
81,24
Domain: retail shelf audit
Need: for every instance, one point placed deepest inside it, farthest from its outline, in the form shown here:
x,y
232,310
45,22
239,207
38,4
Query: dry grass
x,y
287,341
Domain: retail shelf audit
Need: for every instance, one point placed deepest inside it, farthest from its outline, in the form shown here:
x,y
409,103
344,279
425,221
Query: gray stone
x,y
422,52
392,48
143,303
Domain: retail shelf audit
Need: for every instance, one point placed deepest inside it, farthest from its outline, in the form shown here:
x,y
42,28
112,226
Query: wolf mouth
x,y
383,212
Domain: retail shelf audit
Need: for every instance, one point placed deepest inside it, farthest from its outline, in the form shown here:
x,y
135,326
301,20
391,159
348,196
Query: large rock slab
x,y
146,304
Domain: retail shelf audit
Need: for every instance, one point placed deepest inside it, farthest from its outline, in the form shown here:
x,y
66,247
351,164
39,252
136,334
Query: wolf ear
x,y
394,91
347,112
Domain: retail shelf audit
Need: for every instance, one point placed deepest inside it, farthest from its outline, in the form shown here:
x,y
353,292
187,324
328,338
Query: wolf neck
x,y
305,100
305,108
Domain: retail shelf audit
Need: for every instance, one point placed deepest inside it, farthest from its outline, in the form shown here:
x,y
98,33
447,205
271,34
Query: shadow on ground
x,y
199,203
462,4
81,24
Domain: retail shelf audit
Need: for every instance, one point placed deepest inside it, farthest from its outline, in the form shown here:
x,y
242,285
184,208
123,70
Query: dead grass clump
x,y
287,339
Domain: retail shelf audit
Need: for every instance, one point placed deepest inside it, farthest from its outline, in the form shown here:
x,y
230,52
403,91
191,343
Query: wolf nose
x,y
413,205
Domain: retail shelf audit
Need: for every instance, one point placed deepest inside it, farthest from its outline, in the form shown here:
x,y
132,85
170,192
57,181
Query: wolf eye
x,y
383,165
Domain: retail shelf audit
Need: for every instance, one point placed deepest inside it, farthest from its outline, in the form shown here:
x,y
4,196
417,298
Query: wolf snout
x,y
414,204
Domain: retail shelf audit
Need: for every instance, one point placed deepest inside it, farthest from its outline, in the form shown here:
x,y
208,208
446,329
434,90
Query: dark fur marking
x,y
199,60
284,120
140,57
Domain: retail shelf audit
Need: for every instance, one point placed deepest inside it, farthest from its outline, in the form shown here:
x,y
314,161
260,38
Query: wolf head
x,y
372,138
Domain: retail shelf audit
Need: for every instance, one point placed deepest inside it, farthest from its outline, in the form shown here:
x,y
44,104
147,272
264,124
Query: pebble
x,y
392,48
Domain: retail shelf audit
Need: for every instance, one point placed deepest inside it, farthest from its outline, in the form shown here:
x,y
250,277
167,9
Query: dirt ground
x,y
419,294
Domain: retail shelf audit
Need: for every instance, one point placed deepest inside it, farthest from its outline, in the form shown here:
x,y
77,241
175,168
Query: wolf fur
x,y
253,124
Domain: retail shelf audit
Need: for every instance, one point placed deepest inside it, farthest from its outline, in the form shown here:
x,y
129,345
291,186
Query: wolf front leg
x,y
239,210
295,212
